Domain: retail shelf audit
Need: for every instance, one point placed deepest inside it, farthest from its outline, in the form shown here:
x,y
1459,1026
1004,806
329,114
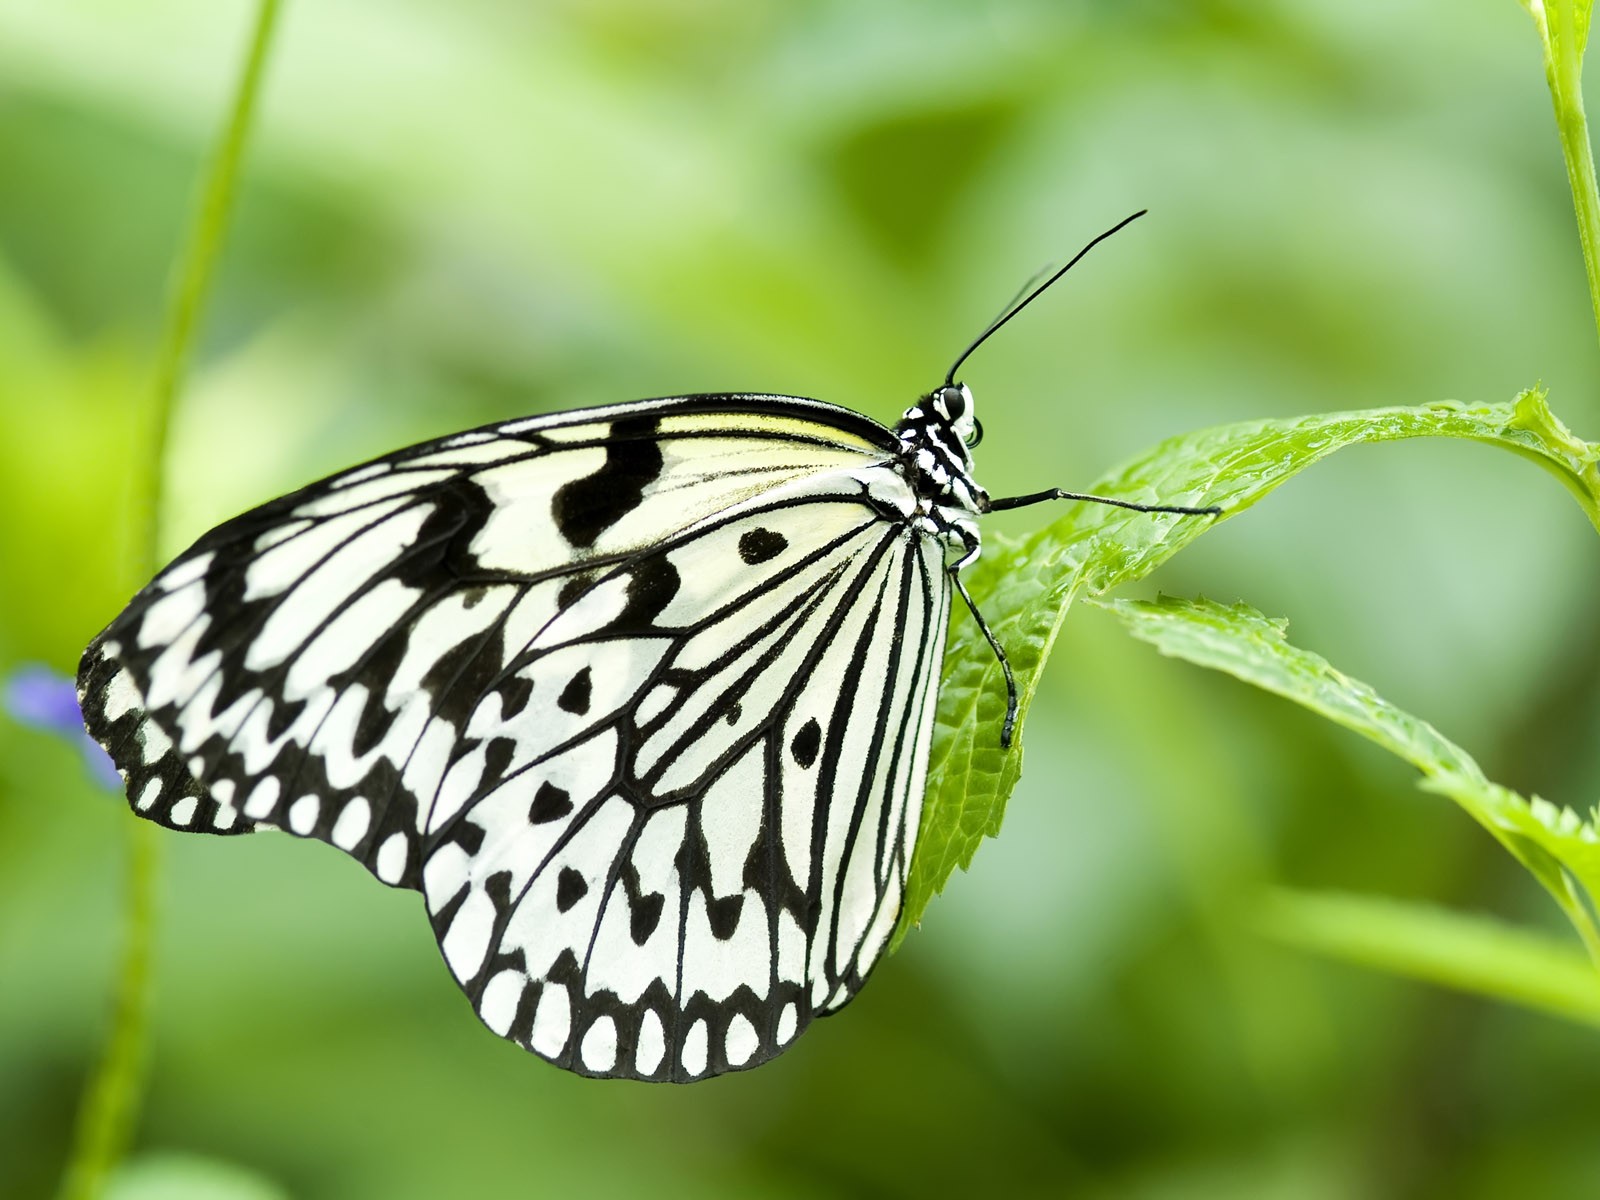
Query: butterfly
x,y
638,697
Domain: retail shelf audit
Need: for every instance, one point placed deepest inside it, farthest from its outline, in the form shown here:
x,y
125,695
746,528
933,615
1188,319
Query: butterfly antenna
x,y
1017,305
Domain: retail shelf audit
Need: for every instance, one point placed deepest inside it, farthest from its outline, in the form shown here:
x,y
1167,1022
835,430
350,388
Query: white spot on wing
x,y
226,815
788,1021
171,615
656,701
599,1048
718,967
458,786
263,798
156,743
731,817
183,811
552,1021
121,695
652,1047
358,489
427,764
467,450
303,814
694,1049
391,862
352,823
498,1008
445,873
183,573
791,948
360,474
741,1041
280,533
466,942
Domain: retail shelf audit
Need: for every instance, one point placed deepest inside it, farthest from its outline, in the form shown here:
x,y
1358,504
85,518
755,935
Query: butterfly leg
x,y
999,653
967,532
1210,510
972,552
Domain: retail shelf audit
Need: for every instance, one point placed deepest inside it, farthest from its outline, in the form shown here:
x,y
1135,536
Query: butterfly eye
x,y
977,433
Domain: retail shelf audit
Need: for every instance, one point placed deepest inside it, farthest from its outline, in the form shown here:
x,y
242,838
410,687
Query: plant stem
x,y
110,1105
1471,953
194,272
1564,29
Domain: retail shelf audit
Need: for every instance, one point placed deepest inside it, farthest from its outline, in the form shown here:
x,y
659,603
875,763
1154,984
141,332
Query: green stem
x,y
1564,29
110,1105
1471,953
1576,905
111,1101
193,274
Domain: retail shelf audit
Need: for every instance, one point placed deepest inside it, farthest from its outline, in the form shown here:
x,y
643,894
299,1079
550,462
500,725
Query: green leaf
x,y
1563,27
1470,953
1560,848
172,1176
1025,586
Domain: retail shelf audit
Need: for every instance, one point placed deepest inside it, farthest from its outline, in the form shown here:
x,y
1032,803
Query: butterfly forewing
x,y
638,698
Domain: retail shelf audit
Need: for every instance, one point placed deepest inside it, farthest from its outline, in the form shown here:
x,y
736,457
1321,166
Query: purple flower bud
x,y
38,697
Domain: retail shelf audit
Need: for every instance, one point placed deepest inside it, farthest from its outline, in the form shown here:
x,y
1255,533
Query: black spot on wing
x,y
550,803
515,691
458,510
651,586
373,723
283,714
574,587
459,677
468,836
521,1030
724,915
570,888
445,916
585,508
574,697
644,910
498,888
806,743
759,545
644,916
497,757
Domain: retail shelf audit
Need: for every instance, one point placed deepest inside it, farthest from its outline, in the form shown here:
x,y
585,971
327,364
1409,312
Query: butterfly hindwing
x,y
638,698
692,880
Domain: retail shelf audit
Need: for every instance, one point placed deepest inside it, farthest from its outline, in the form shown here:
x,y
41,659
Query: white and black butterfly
x,y
639,698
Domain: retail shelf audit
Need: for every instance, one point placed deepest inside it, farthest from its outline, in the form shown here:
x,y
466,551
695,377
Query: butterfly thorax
x,y
935,436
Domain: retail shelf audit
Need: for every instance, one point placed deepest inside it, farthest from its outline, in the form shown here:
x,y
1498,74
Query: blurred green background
x,y
456,213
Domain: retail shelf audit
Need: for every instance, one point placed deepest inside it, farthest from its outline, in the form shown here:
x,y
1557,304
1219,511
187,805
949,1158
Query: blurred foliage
x,y
459,213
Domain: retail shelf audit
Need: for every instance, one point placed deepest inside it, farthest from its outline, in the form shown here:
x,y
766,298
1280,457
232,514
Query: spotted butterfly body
x,y
639,698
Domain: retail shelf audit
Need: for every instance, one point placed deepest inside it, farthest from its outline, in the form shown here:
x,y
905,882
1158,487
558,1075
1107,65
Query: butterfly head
x,y
937,435
953,403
